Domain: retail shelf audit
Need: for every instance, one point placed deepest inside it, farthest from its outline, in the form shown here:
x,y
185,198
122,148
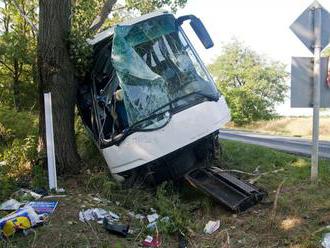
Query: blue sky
x,y
263,25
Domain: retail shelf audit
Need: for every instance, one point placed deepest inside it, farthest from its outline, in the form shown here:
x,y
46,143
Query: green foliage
x,y
86,11
251,83
39,177
101,182
18,152
146,6
18,55
5,135
169,204
20,157
21,124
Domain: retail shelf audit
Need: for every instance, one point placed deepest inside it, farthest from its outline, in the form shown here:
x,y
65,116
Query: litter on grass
x,y
43,207
211,226
97,214
117,229
152,217
326,240
150,241
22,219
136,216
10,205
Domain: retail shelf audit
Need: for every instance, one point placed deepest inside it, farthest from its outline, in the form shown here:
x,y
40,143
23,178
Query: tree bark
x,y
56,75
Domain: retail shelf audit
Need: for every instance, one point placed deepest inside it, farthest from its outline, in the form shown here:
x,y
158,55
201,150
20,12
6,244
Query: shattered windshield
x,y
158,69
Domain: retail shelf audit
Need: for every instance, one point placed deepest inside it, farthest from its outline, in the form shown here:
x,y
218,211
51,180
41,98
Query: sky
x,y
263,25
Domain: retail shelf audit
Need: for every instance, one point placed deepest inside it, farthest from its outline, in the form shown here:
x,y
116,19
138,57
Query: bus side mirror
x,y
198,28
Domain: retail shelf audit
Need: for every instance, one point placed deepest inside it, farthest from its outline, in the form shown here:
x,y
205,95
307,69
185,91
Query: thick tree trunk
x,y
56,75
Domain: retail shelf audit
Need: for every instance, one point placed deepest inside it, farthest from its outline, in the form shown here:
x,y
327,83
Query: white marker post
x,y
52,178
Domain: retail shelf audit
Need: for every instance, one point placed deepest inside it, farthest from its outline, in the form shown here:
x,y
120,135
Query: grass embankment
x,y
302,212
289,126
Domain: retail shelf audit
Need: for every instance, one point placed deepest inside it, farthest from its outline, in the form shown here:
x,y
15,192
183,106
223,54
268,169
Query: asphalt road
x,y
287,144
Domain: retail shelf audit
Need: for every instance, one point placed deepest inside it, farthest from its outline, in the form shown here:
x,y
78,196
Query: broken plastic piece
x,y
43,207
10,205
118,229
152,217
326,241
229,190
22,219
211,226
182,240
152,241
152,226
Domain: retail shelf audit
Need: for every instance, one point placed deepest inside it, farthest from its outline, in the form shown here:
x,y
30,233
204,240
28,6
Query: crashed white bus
x,y
148,100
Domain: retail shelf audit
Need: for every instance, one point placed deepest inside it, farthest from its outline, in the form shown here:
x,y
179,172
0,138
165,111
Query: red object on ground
x,y
152,241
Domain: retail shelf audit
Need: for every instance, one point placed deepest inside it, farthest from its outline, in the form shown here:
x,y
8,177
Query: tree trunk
x,y
56,75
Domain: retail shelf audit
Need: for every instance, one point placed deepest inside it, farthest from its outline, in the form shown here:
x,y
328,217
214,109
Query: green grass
x,y
22,124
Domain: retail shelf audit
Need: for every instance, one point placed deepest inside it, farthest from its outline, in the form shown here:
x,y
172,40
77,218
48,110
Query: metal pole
x,y
316,93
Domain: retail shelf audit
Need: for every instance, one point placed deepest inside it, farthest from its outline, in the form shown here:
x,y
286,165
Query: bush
x,y
5,134
251,83
18,160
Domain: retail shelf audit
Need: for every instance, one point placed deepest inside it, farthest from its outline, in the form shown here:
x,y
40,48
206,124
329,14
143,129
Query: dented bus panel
x,y
148,100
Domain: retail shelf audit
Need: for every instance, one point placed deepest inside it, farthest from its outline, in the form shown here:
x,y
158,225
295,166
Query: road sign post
x,y
316,92
309,76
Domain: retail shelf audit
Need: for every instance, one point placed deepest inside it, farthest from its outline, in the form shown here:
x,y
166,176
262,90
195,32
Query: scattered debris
x,y
118,229
10,205
182,240
22,219
326,241
211,226
41,191
43,207
97,199
136,216
26,193
97,214
60,190
153,210
152,226
152,217
165,219
234,193
150,241
54,196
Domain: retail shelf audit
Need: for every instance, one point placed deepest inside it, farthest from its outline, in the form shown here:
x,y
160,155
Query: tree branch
x,y
100,19
22,13
5,65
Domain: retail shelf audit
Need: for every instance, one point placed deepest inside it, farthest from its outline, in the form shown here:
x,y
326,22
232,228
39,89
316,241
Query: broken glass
x,y
157,68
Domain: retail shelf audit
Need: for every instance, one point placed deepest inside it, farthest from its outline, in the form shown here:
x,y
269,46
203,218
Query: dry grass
x,y
289,126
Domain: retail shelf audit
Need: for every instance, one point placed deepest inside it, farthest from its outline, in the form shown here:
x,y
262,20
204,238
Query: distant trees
x,y
18,82
251,83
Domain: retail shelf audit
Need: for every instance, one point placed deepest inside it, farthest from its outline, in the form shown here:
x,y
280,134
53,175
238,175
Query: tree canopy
x,y
251,83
